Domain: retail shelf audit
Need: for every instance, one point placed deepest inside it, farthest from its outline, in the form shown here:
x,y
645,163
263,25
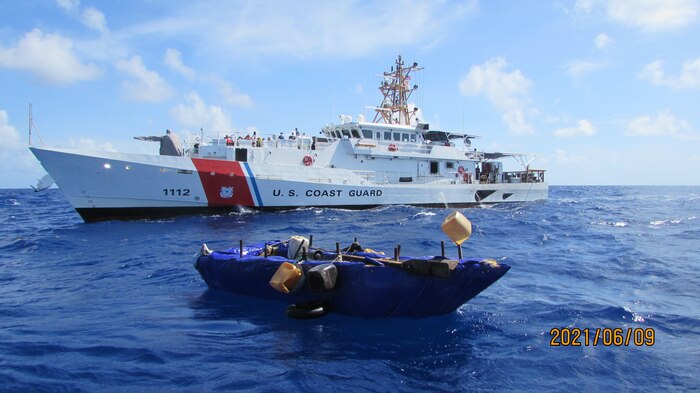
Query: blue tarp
x,y
361,290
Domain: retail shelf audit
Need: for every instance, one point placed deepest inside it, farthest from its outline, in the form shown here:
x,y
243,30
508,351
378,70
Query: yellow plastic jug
x,y
286,277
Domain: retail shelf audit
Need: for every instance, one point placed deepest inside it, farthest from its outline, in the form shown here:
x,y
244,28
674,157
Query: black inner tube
x,y
307,310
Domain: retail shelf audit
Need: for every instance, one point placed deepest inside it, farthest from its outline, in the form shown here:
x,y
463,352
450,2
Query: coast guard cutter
x,y
395,159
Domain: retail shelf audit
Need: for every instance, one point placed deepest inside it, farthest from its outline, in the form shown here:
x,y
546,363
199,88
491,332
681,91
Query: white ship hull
x,y
107,185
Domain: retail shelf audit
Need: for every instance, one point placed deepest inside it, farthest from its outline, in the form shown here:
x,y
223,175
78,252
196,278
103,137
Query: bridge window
x,y
404,137
397,136
387,135
367,134
413,137
355,134
434,167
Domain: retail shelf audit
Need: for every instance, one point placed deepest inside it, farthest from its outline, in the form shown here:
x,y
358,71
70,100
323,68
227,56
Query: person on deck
x,y
170,144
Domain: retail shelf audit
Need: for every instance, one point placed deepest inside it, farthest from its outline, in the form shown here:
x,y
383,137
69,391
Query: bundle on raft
x,y
353,281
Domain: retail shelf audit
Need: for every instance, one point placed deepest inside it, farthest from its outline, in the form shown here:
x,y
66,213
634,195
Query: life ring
x,y
460,169
393,147
307,310
308,160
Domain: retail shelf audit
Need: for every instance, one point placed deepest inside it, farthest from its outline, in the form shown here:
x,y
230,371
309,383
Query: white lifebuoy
x,y
308,160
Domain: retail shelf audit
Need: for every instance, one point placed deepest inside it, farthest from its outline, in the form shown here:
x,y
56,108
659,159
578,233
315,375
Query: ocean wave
x,y
19,244
118,305
671,221
617,224
11,202
423,214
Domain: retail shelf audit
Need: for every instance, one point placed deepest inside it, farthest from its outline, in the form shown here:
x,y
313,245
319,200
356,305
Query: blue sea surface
x,y
117,306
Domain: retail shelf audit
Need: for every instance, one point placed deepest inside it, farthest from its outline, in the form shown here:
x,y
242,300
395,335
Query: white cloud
x,y
173,59
8,133
94,19
689,78
583,128
579,68
653,15
49,56
584,5
343,28
68,5
663,124
230,94
507,91
145,85
195,114
90,16
647,15
16,161
602,41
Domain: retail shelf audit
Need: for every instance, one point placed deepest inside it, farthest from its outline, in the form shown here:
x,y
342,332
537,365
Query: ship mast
x,y
396,88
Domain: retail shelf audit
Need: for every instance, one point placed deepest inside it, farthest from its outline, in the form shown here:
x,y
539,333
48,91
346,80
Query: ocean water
x,y
118,306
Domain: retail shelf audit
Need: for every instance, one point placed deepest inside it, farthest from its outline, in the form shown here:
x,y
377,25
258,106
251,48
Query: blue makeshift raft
x,y
354,282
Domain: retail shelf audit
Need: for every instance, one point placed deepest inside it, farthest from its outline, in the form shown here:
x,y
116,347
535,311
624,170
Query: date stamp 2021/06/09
x,y
608,337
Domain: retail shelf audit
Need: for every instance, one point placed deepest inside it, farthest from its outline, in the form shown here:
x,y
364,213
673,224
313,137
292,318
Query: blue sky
x,y
605,92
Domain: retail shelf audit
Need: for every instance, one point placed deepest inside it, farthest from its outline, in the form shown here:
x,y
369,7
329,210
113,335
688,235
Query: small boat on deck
x,y
353,281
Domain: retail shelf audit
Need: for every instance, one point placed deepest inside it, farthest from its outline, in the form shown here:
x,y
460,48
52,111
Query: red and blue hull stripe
x,y
228,183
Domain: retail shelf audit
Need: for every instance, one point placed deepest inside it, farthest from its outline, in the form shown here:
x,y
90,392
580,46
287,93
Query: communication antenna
x,y
32,125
